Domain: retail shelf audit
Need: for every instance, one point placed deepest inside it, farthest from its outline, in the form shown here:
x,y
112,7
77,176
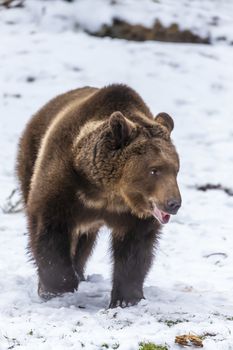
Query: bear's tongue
x,y
160,215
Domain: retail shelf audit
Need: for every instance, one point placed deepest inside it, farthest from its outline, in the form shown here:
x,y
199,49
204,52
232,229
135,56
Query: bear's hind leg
x,y
50,246
82,250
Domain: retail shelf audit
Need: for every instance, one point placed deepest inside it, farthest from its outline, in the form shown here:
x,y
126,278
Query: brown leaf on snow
x,y
189,340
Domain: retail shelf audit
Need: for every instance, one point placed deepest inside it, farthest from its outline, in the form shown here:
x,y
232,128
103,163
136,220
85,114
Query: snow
x,y
189,288
207,18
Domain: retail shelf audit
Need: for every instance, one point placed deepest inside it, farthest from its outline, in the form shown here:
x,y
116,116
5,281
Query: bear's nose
x,y
173,205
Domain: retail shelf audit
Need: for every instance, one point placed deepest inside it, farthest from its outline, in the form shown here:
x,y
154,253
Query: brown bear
x,y
94,157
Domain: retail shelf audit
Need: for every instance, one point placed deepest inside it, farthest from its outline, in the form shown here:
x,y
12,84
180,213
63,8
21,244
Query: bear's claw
x,y
123,303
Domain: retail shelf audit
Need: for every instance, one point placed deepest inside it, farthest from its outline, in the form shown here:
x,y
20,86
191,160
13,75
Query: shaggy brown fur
x,y
92,157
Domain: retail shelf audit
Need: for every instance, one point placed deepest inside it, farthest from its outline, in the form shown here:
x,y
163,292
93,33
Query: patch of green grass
x,y
107,346
152,346
228,318
207,335
171,323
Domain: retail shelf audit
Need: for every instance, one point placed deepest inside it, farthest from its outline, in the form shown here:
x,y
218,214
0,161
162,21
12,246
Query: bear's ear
x,y
121,129
165,120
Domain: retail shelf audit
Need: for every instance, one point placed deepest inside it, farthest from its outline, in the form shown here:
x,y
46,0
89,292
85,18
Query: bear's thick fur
x,y
92,157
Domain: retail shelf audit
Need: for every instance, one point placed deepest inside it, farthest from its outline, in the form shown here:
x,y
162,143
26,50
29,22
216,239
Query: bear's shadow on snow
x,y
93,295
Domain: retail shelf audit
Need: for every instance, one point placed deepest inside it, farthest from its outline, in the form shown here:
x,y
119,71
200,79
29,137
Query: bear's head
x,y
130,165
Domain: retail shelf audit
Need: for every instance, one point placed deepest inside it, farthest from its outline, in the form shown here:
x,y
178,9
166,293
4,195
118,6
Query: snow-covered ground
x,y
190,287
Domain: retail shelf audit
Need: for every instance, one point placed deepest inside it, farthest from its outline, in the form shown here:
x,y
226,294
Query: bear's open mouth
x,y
160,215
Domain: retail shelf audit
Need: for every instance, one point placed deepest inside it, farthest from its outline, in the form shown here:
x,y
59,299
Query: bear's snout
x,y
173,205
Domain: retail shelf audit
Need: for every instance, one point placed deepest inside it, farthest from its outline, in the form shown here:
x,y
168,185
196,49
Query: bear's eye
x,y
154,172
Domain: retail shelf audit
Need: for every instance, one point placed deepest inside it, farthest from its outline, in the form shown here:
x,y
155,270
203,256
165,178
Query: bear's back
x,y
35,131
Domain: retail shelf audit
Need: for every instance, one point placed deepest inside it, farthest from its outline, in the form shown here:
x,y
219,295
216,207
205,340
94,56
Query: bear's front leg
x,y
133,254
